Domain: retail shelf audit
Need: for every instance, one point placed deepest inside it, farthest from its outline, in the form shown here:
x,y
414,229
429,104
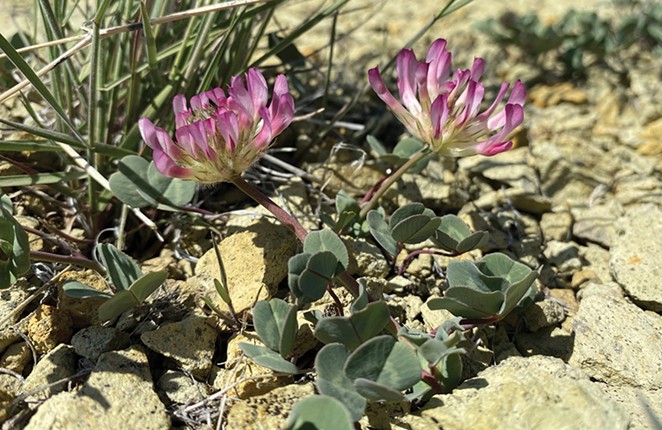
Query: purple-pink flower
x,y
219,136
442,109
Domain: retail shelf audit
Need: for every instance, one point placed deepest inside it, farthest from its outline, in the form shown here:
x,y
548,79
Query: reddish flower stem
x,y
271,206
348,280
67,259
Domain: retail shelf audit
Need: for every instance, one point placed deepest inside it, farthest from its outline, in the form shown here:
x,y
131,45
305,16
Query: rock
x,y
596,224
291,196
549,341
543,314
180,388
598,261
119,390
639,189
269,411
49,327
92,341
563,255
556,226
10,299
58,365
551,95
511,168
5,405
644,407
35,241
255,262
305,339
610,289
84,312
190,343
613,343
365,258
582,277
405,309
254,380
538,392
380,415
566,298
432,319
16,357
635,256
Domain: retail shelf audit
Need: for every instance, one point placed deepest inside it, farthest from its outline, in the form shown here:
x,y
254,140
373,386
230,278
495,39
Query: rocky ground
x,y
580,197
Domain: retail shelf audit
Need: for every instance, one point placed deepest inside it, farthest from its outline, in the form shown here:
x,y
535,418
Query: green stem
x,y
348,280
391,179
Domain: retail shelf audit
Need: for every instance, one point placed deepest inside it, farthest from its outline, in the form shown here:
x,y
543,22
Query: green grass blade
x,y
39,178
38,85
302,29
150,42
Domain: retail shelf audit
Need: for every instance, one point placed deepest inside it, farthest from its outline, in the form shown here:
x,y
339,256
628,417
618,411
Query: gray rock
x,y
616,342
92,341
434,318
242,377
511,168
190,343
48,377
180,388
269,411
596,224
255,262
537,392
118,393
639,189
556,226
10,298
636,261
406,308
549,341
598,260
563,255
365,258
16,357
644,407
610,289
543,314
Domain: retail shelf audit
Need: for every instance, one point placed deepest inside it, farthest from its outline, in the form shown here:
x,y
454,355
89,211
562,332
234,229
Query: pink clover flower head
x,y
218,135
442,108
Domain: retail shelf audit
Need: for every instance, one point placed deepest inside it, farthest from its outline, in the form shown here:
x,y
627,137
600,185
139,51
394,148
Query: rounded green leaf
x,y
382,232
327,240
469,303
352,331
295,266
404,212
375,391
126,184
331,379
173,191
275,324
267,358
320,270
386,362
319,413
415,229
